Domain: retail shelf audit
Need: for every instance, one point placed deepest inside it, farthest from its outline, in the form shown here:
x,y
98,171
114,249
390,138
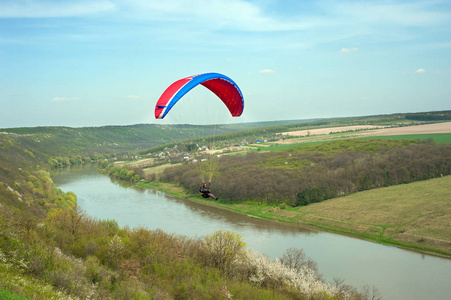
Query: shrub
x,y
116,249
226,250
274,274
68,273
296,259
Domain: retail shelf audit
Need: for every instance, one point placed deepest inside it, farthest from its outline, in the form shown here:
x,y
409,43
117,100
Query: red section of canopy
x,y
228,93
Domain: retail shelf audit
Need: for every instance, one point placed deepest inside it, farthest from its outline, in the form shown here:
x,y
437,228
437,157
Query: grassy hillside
x,y
416,214
55,141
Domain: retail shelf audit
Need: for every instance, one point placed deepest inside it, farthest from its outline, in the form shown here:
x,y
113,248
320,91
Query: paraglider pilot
x,y
205,191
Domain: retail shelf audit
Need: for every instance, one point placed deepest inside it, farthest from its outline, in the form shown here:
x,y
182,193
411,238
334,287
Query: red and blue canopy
x,y
222,86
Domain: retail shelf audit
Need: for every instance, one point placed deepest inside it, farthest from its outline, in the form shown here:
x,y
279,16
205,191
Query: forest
x,y
313,173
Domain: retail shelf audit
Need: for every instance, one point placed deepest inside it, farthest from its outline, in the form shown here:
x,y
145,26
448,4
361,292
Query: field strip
x,y
321,131
418,129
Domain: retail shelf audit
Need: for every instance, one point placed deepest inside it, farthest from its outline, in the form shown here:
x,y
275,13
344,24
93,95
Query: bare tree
x,y
295,258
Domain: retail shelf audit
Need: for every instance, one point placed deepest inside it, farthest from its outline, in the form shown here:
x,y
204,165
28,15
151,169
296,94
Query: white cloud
x,y
51,9
267,71
420,71
134,97
411,13
347,50
65,99
230,14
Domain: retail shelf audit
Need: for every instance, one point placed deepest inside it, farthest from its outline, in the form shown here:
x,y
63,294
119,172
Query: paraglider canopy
x,y
222,86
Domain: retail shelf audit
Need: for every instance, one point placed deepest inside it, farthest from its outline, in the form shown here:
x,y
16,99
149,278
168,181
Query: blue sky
x,y
106,62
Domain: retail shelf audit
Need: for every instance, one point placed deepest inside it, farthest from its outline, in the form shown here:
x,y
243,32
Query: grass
x,y
159,168
439,138
168,188
7,295
14,284
414,216
418,213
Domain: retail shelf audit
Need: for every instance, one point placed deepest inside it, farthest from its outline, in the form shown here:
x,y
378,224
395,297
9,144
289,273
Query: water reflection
x,y
238,220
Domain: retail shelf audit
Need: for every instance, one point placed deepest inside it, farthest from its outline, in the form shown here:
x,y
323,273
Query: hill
x,y
54,141
416,215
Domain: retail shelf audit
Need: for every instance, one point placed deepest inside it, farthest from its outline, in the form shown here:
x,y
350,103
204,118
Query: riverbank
x,y
415,216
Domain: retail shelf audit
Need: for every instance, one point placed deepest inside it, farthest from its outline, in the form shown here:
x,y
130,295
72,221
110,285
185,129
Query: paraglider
x,y
220,85
205,192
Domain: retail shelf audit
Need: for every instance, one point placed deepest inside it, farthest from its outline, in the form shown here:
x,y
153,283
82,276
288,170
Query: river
x,y
396,273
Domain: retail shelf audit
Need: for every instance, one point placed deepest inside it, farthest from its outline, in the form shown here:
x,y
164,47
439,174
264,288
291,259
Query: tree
x,y
295,258
226,249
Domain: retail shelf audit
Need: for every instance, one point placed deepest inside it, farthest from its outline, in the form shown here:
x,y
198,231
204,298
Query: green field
x,y
415,215
7,295
440,138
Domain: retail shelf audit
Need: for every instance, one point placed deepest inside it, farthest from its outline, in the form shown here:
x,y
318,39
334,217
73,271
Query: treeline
x,y
74,160
122,173
432,116
64,161
315,173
